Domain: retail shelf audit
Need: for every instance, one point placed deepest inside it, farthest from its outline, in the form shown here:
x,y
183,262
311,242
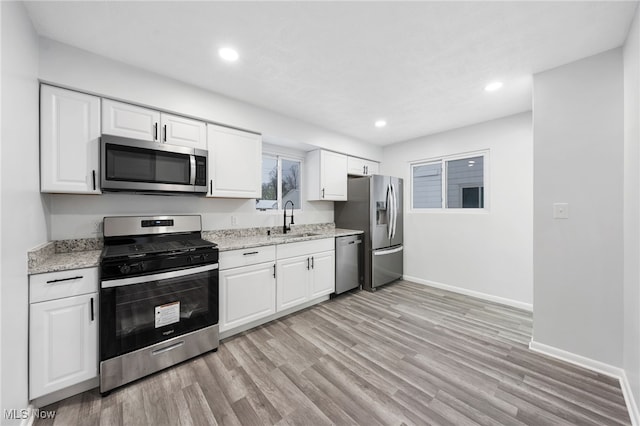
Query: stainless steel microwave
x,y
142,166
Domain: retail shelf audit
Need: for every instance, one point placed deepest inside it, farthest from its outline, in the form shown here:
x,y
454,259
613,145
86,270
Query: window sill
x,y
450,211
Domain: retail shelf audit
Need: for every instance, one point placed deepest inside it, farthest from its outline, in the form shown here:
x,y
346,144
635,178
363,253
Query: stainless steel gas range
x,y
158,296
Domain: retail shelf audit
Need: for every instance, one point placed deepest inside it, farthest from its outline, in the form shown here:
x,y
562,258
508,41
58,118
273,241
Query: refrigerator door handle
x,y
389,211
390,251
394,211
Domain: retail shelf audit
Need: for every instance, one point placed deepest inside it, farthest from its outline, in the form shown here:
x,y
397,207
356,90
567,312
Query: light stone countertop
x,y
65,261
244,242
77,254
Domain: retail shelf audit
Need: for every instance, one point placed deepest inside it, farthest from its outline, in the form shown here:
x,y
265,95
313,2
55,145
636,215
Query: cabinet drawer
x,y
55,285
305,247
251,256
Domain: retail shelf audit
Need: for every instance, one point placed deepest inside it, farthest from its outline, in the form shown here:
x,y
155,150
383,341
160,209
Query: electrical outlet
x,y
561,211
234,220
97,227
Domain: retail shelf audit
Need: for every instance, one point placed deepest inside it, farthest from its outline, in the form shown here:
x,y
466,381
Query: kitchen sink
x,y
305,234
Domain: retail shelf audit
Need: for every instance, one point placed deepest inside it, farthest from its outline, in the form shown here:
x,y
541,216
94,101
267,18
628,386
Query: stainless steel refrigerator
x,y
375,206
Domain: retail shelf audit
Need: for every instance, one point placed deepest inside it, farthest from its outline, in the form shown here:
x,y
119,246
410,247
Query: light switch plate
x,y
561,210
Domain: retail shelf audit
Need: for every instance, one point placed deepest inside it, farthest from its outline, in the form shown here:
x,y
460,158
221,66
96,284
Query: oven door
x,y
140,311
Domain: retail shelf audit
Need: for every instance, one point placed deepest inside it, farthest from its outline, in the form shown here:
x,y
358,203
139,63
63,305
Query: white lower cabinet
x,y
256,284
247,293
323,274
293,281
247,286
63,331
306,277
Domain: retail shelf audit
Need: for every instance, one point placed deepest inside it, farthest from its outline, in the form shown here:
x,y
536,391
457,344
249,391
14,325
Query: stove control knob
x,y
124,269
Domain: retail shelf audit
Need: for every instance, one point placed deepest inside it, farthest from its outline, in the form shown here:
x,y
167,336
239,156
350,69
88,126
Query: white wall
x,y
484,253
23,215
631,292
76,216
578,159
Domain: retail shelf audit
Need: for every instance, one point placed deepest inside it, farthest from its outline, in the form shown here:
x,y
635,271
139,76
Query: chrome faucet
x,y
286,228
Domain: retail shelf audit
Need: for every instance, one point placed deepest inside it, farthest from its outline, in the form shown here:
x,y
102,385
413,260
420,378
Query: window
x,y
451,183
280,183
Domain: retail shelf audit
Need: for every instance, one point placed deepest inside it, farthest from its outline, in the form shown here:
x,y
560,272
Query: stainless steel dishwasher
x,y
349,271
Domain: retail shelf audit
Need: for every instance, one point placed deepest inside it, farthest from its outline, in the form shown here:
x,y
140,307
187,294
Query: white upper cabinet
x,y
361,167
69,141
326,176
235,163
183,131
131,121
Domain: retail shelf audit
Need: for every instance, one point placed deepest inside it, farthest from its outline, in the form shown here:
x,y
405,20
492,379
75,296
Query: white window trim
x,y
279,156
443,160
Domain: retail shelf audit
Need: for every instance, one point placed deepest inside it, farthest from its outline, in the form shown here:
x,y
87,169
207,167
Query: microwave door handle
x,y
192,160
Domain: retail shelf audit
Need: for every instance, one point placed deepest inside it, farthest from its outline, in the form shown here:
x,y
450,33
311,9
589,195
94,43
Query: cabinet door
x,y
69,141
63,343
247,293
183,131
361,167
235,163
372,167
130,121
333,176
356,166
293,281
323,279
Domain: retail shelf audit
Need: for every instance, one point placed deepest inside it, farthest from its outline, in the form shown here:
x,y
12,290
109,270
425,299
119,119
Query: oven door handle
x,y
156,277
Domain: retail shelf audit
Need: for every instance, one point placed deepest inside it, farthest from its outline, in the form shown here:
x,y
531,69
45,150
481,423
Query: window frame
x,y
279,157
443,161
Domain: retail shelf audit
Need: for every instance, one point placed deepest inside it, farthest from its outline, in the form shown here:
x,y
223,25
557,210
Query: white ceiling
x,y
422,66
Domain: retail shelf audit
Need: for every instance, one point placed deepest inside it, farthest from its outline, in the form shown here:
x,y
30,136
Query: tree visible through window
x,y
280,183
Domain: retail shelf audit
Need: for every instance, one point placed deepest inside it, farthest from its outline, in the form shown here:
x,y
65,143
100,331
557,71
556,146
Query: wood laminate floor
x,y
406,354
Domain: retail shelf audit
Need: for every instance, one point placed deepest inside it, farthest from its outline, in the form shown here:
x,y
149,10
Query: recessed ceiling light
x,y
493,86
228,54
380,123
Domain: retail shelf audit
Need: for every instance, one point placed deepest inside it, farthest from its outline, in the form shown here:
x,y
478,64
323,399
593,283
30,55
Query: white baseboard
x,y
472,293
598,367
634,413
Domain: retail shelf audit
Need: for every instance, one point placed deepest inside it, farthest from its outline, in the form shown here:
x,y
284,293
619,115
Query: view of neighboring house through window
x,y
280,183
452,183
